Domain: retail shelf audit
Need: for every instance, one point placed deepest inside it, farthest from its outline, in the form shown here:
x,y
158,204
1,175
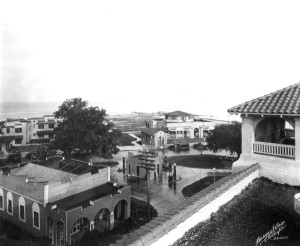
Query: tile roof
x,y
178,113
284,101
152,131
38,173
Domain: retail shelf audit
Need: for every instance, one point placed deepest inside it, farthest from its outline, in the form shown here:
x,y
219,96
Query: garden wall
x,y
167,228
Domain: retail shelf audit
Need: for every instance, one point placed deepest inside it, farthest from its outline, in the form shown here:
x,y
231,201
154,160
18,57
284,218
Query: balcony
x,y
274,149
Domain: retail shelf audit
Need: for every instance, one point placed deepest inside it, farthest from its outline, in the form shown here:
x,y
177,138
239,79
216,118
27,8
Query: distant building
x,y
179,125
154,136
41,129
18,132
62,201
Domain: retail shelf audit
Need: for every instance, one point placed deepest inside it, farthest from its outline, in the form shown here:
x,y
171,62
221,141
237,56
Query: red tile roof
x,y
152,131
178,113
284,101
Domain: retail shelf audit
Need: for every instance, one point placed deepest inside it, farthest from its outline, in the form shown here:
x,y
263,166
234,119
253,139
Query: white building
x,y
18,132
183,125
271,134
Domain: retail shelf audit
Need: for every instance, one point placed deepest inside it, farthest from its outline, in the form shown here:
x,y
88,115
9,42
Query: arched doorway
x,y
102,220
196,132
120,211
271,130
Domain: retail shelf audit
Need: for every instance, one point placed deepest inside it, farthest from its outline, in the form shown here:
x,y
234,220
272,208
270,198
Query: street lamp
x,y
214,175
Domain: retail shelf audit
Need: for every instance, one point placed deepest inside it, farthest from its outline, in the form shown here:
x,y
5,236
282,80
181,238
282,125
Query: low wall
x,y
278,169
169,227
78,184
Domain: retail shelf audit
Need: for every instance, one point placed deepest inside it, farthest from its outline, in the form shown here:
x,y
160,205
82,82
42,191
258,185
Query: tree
x,y
84,130
226,137
41,152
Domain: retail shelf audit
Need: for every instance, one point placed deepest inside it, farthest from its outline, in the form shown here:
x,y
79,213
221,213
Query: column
x,y
297,139
247,135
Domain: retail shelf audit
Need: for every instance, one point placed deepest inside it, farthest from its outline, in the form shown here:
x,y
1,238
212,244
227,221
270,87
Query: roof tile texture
x,y
284,101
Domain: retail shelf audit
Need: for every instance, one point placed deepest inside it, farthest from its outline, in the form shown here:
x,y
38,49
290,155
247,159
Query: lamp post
x,y
214,175
123,164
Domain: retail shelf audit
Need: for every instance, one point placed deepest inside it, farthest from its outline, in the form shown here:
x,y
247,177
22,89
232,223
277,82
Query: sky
x,y
202,57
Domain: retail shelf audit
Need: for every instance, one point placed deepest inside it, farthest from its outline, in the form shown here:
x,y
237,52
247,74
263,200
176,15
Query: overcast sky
x,y
194,56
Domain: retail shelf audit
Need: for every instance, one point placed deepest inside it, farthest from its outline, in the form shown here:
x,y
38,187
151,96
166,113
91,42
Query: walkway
x,y
161,194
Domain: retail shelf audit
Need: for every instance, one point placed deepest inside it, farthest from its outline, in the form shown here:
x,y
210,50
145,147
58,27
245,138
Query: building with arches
x,y
177,125
61,205
271,134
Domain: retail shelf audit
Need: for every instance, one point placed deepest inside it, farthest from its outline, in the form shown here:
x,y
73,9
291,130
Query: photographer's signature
x,y
273,234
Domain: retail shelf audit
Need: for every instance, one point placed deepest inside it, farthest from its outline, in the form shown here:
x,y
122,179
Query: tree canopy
x,y
226,137
84,130
41,152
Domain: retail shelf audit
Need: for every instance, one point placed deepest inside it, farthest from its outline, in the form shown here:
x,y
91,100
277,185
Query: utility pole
x,y
147,162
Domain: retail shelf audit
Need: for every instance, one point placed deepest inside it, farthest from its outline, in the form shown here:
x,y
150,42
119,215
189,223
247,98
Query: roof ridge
x,y
264,96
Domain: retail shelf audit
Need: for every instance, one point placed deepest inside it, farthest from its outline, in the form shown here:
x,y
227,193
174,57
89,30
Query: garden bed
x,y
201,184
200,161
250,219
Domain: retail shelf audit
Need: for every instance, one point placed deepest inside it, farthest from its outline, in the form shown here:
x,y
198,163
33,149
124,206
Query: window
x,y
7,130
9,203
40,126
18,130
51,126
36,215
18,141
22,209
76,226
1,199
41,136
51,135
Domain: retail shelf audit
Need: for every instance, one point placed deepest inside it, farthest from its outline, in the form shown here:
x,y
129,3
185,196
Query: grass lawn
x,y
250,216
126,140
200,161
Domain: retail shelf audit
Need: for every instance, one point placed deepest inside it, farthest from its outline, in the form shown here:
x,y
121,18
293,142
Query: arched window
x,y
22,215
1,199
9,203
36,215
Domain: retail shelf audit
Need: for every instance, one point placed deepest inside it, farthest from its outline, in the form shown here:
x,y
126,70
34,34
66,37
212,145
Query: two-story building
x,y
63,200
14,133
271,134
41,129
17,132
177,125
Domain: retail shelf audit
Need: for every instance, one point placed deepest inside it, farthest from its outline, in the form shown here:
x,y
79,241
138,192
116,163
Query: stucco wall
x,y
279,169
28,224
81,183
34,191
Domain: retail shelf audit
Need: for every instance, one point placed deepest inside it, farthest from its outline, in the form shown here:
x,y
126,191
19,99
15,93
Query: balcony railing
x,y
274,149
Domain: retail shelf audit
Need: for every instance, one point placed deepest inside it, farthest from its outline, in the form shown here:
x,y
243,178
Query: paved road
x,y
162,196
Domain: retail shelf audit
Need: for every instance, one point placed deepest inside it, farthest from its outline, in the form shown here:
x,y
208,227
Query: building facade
x,y
182,125
18,132
271,134
62,205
